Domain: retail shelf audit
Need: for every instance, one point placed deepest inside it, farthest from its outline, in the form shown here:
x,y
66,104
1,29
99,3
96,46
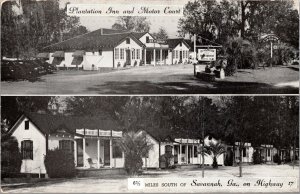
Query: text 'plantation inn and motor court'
x,y
108,48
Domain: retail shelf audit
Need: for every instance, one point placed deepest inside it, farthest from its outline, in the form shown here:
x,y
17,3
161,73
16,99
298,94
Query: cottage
x,y
93,141
108,48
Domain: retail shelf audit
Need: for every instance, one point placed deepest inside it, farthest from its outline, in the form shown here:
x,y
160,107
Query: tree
x,y
30,25
132,23
11,157
214,150
161,34
135,147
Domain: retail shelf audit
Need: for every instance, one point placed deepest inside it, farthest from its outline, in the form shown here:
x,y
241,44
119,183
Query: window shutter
x,y
31,149
22,149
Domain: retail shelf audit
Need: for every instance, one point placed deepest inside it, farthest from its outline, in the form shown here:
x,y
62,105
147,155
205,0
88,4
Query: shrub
x,y
11,158
256,158
287,159
241,54
276,159
135,146
167,160
60,164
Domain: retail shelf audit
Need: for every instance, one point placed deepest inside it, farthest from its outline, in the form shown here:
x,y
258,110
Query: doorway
x,y
128,58
106,153
79,152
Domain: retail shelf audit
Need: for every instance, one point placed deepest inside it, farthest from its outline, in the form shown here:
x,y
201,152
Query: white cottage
x,y
93,141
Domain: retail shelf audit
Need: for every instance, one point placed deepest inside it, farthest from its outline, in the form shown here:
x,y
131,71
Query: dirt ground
x,y
176,79
119,184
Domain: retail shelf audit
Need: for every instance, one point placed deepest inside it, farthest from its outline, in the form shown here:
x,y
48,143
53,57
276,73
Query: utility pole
x,y
202,124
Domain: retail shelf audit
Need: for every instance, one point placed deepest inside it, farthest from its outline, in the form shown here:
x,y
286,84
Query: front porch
x,y
97,149
157,56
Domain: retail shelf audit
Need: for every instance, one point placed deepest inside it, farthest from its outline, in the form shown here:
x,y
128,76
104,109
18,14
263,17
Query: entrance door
x,y
106,153
180,57
148,57
128,58
79,152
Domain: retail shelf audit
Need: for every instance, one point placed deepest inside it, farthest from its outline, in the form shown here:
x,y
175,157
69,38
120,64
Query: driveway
x,y
176,79
119,183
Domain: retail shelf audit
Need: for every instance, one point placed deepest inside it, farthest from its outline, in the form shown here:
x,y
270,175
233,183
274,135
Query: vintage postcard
x,y
144,144
150,47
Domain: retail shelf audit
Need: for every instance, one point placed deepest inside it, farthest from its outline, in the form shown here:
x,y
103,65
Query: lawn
x,y
119,183
176,79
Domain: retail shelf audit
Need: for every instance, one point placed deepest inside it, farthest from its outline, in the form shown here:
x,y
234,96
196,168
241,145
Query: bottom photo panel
x,y
94,144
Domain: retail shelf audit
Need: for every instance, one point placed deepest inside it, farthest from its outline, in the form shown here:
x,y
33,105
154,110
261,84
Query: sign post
x,y
270,38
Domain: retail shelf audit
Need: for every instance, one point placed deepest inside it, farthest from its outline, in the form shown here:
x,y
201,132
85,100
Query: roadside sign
x,y
207,54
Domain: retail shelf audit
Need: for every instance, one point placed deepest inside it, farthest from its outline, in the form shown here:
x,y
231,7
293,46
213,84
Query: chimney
x,y
101,31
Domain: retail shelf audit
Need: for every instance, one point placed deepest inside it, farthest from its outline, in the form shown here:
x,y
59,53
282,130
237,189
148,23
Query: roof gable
x,y
173,43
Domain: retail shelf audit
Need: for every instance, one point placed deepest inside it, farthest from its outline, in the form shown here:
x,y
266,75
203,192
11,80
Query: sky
x,y
170,23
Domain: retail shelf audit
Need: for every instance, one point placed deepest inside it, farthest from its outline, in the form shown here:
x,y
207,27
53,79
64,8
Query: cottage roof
x,y
48,123
175,41
98,39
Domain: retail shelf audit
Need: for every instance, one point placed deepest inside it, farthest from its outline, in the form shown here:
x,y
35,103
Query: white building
x,y
107,48
93,141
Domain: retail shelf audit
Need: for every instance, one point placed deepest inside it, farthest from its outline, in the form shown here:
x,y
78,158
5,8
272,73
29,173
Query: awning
x,y
43,55
57,61
77,60
78,53
59,54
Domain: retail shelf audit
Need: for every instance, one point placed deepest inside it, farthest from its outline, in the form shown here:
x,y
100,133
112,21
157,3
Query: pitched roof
x,y
175,41
98,39
48,123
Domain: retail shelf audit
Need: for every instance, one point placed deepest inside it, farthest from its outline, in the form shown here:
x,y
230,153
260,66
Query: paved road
x,y
177,79
119,184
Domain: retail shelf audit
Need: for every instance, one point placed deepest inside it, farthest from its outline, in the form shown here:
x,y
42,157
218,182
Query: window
x,y
133,54
100,52
269,152
168,149
138,53
183,149
66,145
195,151
127,40
180,44
26,125
147,39
117,151
27,149
173,54
117,53
244,152
121,53
176,53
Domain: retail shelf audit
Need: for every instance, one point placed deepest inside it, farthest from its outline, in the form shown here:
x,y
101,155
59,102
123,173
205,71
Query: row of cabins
x,y
94,143
108,49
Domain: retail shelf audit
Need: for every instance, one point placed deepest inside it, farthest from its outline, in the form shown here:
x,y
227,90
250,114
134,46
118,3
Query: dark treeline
x,y
259,120
29,25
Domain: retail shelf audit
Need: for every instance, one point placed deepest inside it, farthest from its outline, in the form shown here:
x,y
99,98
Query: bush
x,y
277,159
60,164
256,158
133,163
240,55
11,158
287,159
167,160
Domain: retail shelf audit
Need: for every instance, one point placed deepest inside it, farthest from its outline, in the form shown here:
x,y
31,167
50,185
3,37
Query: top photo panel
x,y
149,47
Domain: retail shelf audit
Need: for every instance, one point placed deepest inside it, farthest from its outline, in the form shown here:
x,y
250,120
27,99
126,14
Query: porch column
x,y
179,154
110,152
98,152
187,153
83,155
161,61
145,51
75,152
154,56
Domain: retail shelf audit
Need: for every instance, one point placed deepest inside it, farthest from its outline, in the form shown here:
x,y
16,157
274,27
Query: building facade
x,y
95,144
107,48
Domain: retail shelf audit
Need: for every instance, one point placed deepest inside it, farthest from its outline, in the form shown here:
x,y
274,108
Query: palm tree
x,y
135,146
214,150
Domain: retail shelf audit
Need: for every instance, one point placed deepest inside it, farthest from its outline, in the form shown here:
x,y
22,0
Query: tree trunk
x,y
243,19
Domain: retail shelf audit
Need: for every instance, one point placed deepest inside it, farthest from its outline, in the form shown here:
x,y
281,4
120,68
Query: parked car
x,y
39,66
10,70
48,67
35,69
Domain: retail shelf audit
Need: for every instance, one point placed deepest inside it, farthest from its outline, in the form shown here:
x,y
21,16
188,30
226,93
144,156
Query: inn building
x,y
110,49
